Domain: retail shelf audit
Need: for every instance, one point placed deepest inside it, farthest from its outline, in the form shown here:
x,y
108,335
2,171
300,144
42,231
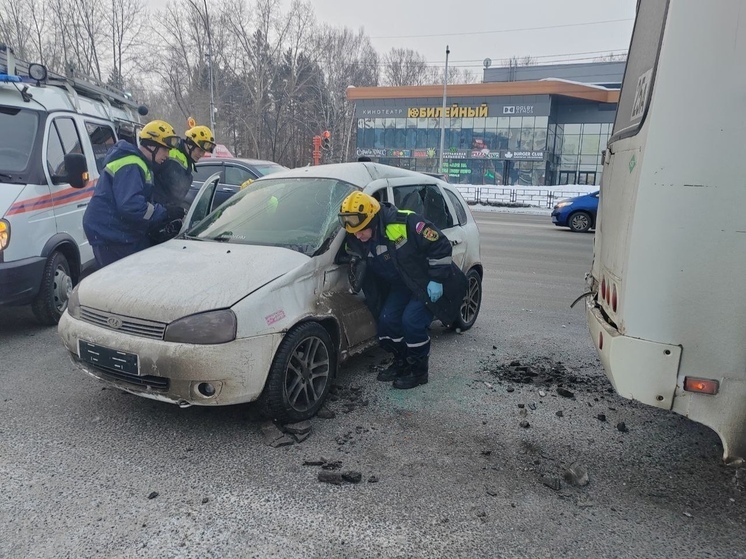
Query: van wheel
x,y
300,375
56,285
469,310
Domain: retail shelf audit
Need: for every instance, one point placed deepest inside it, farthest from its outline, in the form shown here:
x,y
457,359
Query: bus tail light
x,y
600,340
613,298
701,385
603,289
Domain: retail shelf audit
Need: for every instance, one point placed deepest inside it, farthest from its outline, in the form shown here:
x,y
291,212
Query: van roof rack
x,y
89,87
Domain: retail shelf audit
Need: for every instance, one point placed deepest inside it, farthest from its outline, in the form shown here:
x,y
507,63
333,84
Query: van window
x,y
16,148
102,138
63,139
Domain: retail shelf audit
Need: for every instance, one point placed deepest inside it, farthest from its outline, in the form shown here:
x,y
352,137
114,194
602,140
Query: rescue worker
x,y
173,177
118,217
403,265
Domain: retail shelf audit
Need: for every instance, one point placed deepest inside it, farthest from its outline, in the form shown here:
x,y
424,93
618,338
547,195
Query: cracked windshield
x,y
299,214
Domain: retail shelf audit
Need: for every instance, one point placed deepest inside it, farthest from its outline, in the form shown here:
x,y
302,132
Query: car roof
x,y
214,160
357,173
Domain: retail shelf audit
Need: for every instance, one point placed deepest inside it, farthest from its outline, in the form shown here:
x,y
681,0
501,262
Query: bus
x,y
667,309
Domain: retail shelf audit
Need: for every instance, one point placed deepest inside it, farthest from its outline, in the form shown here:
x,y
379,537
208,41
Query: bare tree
x,y
125,24
404,67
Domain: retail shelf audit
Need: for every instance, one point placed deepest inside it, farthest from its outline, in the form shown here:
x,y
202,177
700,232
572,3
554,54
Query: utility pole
x,y
210,60
443,116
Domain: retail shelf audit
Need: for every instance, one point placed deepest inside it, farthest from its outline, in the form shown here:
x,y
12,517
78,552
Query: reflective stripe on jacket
x,y
120,211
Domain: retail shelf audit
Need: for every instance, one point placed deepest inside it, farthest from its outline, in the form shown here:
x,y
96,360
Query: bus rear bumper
x,y
639,369
649,373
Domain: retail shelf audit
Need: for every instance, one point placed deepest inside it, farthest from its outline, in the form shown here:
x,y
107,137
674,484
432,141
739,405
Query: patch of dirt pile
x,y
544,372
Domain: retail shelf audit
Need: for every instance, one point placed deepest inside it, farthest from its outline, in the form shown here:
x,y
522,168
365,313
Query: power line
x,y
502,30
532,57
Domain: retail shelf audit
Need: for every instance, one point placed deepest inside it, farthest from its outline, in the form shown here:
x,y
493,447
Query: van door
x,y
63,137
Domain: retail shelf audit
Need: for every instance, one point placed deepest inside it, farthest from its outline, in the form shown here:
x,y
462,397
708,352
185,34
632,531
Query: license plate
x,y
554,219
108,358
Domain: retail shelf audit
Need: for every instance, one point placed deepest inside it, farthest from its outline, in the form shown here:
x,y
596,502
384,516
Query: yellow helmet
x,y
357,211
201,136
159,132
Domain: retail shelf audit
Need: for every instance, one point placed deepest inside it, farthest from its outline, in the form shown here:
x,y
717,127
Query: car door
x,y
429,201
202,203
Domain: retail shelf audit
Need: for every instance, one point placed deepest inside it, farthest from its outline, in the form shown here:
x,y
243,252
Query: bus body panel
x,y
671,237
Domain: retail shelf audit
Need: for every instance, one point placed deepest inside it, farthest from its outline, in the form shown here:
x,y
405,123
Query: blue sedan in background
x,y
579,213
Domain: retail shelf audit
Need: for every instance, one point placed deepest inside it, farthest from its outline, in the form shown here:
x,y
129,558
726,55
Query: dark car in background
x,y
579,213
233,173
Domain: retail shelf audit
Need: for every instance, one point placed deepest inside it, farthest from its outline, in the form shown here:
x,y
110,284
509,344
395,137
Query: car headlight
x,y
73,303
4,234
562,205
212,327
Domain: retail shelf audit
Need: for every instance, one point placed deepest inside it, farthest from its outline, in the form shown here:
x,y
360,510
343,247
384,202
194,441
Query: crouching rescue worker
x,y
403,265
173,177
119,215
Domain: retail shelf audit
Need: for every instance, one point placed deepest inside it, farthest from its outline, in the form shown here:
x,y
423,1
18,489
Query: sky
x,y
494,29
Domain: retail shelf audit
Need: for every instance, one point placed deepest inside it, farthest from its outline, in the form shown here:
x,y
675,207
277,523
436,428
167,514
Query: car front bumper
x,y
172,372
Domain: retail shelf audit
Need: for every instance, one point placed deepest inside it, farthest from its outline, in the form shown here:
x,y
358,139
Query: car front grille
x,y
126,324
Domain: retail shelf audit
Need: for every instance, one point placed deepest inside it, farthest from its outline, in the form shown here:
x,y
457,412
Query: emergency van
x,y
56,131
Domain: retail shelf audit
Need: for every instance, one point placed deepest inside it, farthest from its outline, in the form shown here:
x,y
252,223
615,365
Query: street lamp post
x,y
443,116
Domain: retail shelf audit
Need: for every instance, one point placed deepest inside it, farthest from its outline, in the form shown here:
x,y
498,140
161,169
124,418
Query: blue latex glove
x,y
434,290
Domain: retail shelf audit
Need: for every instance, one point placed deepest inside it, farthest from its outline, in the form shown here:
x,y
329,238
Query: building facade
x,y
538,132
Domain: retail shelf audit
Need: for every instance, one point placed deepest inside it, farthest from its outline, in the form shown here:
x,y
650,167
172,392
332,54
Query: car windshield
x,y
295,213
16,148
268,169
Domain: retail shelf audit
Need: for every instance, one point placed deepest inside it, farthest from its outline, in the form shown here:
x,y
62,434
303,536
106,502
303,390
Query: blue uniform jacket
x,y
120,211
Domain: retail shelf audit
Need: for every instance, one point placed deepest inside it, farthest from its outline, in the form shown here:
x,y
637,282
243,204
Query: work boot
x,y
416,375
397,368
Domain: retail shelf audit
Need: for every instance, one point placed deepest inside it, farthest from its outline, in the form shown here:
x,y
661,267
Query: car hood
x,y
182,277
8,194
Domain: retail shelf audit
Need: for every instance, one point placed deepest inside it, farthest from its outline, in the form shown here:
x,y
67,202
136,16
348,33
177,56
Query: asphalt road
x,y
447,469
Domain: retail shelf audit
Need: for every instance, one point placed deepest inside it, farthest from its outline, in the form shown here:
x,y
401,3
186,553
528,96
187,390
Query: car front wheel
x,y
580,222
300,375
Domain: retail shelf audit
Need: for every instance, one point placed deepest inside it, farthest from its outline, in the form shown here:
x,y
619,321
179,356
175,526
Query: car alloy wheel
x,y
300,375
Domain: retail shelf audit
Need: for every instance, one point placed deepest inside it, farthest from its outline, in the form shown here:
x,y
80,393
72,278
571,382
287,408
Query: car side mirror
x,y
77,170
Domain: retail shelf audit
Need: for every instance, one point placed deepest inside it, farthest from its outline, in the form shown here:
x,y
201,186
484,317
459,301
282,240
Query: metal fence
x,y
542,197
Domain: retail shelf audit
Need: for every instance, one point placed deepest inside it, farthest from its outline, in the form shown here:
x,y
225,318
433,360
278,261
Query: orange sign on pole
x,y
316,150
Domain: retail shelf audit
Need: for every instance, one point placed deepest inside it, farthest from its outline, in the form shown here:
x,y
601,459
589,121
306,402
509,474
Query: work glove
x,y
434,290
356,273
174,212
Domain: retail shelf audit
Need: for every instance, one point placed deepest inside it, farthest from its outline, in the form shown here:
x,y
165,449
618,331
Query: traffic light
x,y
326,141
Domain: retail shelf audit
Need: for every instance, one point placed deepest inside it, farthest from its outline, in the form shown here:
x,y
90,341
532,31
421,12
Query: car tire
x,y
472,302
56,285
579,222
300,375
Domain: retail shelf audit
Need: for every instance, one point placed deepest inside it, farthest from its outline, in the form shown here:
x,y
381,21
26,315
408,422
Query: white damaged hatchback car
x,y
253,300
